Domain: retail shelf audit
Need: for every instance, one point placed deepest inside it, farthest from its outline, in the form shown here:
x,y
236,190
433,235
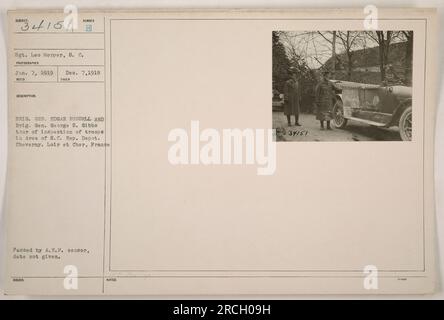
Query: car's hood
x,y
348,84
401,91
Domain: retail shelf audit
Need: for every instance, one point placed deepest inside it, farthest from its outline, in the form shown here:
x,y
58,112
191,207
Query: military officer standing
x,y
324,96
292,98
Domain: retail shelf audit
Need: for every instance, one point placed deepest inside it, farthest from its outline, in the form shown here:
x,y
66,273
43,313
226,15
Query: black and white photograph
x,y
342,85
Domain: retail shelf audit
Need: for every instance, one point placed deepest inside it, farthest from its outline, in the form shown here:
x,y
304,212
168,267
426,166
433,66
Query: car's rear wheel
x,y
405,124
338,115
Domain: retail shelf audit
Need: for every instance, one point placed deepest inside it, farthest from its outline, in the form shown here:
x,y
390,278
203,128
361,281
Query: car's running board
x,y
372,123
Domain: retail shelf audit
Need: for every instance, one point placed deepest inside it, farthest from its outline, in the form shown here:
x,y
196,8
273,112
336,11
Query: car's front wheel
x,y
338,115
405,124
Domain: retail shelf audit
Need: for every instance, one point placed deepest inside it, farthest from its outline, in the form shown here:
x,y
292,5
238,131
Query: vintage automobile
x,y
278,101
375,105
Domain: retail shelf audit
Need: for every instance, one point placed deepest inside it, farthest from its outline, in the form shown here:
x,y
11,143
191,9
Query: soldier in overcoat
x,y
324,97
292,98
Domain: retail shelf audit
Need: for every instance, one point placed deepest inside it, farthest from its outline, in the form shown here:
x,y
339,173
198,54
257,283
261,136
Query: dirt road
x,y
310,131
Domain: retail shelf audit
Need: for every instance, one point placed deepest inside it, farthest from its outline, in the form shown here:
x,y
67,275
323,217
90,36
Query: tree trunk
x,y
408,58
349,65
384,49
333,54
349,56
381,63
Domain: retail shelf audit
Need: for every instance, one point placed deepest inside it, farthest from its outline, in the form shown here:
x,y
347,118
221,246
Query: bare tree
x,y
383,39
408,56
350,40
308,46
333,52
332,41
317,48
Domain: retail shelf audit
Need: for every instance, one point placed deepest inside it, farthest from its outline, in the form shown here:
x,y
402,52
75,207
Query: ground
x,y
310,130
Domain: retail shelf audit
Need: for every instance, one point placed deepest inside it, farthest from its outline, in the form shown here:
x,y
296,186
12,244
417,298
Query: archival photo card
x,y
146,152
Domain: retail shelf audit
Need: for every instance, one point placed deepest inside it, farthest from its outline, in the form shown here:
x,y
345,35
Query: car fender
x,y
403,104
338,96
